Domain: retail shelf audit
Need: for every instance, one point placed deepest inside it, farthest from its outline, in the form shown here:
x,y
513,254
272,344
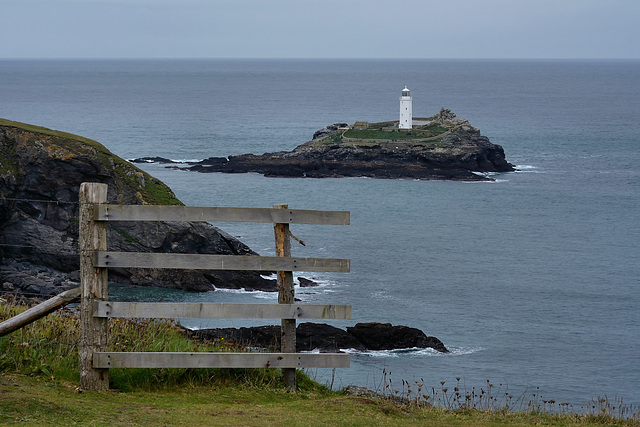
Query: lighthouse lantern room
x,y
406,113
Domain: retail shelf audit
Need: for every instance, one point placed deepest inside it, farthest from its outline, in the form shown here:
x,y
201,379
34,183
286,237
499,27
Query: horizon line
x,y
98,58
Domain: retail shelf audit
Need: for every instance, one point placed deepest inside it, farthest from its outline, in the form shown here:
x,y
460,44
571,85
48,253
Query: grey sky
x,y
320,28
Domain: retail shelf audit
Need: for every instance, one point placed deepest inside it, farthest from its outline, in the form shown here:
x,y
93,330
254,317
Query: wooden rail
x,y
219,360
218,262
169,310
96,309
219,214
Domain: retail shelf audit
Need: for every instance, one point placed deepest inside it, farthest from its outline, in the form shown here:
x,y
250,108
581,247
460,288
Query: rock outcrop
x,y
442,147
383,336
326,338
40,174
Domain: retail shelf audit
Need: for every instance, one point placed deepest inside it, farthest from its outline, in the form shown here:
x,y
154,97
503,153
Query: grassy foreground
x,y
38,400
39,385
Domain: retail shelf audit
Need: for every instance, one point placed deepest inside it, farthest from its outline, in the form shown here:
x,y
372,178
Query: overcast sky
x,y
320,28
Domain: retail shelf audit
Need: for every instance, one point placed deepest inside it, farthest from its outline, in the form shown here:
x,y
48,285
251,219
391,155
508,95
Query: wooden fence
x,y
96,309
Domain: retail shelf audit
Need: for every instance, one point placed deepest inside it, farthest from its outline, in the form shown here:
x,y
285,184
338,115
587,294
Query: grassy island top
x,y
386,132
427,130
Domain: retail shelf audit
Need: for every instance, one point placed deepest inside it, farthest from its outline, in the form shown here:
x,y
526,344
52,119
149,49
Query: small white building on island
x,y
406,110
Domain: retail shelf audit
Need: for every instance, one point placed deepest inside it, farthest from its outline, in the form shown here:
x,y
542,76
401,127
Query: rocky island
x,y
440,147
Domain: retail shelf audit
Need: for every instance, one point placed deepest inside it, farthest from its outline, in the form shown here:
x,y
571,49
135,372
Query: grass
x,y
39,385
396,135
424,134
38,400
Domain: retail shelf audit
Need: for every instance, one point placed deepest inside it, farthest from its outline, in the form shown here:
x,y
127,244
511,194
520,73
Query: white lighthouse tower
x,y
406,113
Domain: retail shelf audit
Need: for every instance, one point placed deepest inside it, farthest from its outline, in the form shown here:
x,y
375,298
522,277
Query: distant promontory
x,y
441,147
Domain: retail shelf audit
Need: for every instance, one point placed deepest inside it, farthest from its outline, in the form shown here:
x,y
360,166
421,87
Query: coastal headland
x,y
40,174
440,147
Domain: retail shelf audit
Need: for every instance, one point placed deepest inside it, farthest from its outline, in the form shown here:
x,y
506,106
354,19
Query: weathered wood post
x,y
94,286
285,296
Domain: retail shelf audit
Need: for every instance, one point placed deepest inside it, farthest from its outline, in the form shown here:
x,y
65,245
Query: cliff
x,y
40,174
441,147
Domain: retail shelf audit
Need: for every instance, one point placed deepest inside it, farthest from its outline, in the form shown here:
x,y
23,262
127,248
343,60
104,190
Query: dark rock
x,y
384,336
329,130
34,281
326,338
307,283
40,176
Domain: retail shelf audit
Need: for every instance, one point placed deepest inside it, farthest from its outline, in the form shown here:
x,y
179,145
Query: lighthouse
x,y
406,114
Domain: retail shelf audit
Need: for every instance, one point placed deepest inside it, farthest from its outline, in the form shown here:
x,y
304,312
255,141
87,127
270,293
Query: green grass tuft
x,y
49,348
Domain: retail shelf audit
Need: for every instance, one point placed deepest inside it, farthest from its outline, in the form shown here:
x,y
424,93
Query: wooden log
x,y
218,262
93,285
219,214
105,360
38,311
171,310
286,295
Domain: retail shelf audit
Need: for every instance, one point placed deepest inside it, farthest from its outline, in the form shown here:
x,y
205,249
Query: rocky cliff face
x,y
40,174
445,147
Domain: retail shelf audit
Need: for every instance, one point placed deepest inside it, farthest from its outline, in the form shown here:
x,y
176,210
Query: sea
x,y
531,280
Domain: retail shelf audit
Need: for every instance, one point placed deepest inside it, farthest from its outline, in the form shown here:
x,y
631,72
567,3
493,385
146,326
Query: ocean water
x,y
532,280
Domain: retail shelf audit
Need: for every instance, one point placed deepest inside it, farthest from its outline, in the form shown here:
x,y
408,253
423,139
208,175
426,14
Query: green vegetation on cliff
x,y
62,146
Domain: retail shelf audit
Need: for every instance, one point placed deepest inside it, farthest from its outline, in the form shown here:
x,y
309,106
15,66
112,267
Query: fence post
x,y
285,296
93,283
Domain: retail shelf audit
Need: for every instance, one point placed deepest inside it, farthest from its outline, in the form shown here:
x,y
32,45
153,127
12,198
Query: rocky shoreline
x,y
445,147
325,338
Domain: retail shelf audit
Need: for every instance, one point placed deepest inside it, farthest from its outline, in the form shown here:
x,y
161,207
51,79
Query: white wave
x,y
304,294
494,181
460,351
528,169
487,175
413,352
257,294
186,160
323,284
